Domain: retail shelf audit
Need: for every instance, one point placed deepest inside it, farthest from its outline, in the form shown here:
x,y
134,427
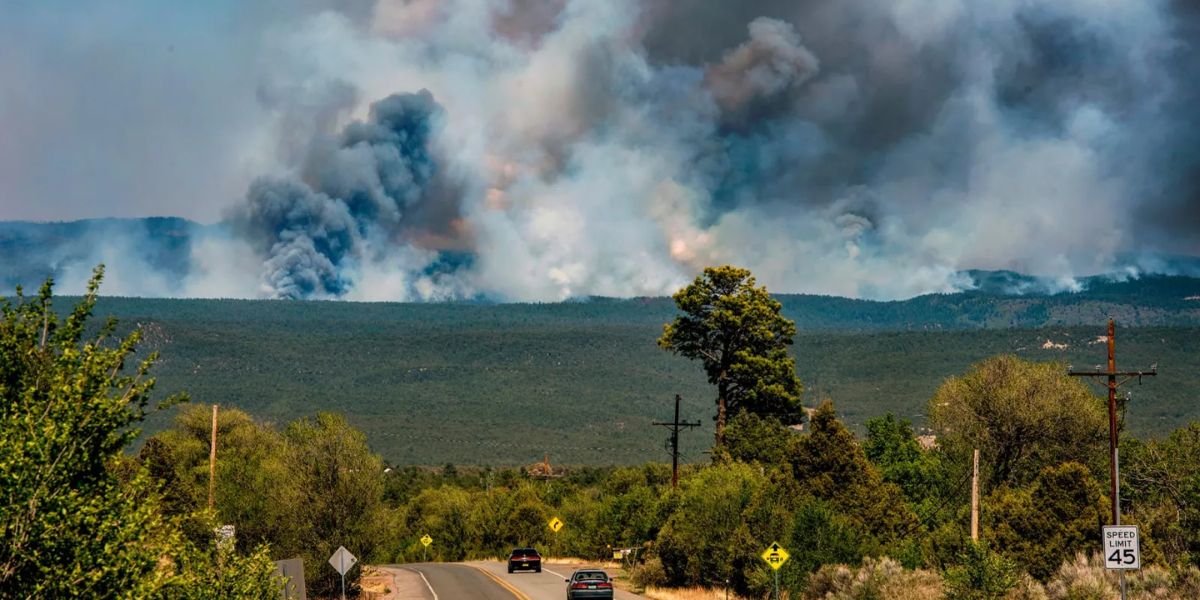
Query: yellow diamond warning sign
x,y
555,524
775,555
426,540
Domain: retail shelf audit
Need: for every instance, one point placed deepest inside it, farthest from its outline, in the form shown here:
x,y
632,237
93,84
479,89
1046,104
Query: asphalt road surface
x,y
455,581
491,581
547,585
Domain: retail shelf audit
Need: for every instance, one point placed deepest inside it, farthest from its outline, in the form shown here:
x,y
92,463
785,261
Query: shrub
x,y
1083,578
877,579
1027,588
982,575
648,574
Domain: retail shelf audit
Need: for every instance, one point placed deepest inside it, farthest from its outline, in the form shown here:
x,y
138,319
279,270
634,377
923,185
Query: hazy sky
x,y
572,147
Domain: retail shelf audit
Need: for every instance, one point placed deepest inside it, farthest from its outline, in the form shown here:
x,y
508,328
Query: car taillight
x,y
604,585
579,586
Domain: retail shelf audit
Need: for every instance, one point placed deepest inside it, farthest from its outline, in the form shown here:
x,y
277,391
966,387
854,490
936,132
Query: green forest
x,y
878,511
583,381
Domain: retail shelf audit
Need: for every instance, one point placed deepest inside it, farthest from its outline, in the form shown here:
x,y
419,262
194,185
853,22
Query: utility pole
x,y
1112,384
675,426
975,499
212,460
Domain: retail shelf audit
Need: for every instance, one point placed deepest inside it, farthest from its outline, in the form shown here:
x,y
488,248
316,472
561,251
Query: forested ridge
x,y
504,384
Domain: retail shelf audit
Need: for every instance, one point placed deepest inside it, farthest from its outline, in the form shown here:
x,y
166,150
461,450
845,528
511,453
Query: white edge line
x,y
435,596
555,572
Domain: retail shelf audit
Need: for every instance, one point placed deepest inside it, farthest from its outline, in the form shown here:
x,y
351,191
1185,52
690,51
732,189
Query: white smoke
x,y
603,148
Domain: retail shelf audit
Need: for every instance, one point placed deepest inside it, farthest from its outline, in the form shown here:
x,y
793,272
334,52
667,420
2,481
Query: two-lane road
x,y
490,581
547,585
455,581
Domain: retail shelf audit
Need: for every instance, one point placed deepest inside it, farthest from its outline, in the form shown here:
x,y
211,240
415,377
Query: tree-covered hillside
x,y
582,381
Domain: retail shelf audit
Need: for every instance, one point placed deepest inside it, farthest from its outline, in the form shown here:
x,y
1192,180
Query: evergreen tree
x,y
829,464
1042,525
736,330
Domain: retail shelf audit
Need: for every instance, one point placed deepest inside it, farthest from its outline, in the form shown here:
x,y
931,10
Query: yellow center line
x,y
504,584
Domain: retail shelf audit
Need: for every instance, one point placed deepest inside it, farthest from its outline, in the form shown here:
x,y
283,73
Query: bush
x,y
877,579
1027,588
982,575
648,574
1083,578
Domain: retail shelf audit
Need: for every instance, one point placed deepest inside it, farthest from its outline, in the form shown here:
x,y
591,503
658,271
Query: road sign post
x,y
289,573
775,555
1122,547
342,561
425,542
555,525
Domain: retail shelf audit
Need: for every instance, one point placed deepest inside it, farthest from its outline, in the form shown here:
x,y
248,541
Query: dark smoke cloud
x,y
350,201
839,146
766,66
578,147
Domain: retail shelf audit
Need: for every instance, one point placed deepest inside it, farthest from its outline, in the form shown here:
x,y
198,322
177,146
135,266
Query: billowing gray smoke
x,y
348,202
836,146
616,147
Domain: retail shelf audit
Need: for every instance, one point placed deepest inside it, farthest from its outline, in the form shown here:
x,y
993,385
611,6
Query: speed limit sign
x,y
1122,549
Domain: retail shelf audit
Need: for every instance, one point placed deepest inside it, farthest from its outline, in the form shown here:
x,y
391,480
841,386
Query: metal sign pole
x,y
777,596
1117,499
342,562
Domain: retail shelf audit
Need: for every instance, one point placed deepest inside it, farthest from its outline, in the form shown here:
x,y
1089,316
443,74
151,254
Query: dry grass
x,y
608,565
375,583
1085,578
694,593
876,578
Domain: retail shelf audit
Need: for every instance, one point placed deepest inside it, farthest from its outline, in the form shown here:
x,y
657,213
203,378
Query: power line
x,y
675,426
1112,384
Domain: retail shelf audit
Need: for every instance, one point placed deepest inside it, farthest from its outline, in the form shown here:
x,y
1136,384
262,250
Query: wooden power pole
x,y
975,499
1112,384
212,460
675,426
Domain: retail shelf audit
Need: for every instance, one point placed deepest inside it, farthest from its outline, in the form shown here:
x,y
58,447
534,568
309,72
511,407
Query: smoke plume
x,y
345,208
545,149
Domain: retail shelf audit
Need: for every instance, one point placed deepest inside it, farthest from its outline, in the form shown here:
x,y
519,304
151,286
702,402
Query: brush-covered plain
x,y
506,384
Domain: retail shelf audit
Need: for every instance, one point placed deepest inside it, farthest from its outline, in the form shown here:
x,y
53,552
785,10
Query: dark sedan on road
x,y
589,584
525,559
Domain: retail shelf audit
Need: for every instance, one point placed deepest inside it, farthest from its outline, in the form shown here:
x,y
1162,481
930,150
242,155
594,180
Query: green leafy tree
x,y
76,519
1161,480
254,490
632,507
343,502
707,538
737,332
1022,416
892,446
450,516
69,408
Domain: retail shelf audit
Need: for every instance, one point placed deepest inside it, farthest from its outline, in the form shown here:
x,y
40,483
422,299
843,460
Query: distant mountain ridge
x,y
32,251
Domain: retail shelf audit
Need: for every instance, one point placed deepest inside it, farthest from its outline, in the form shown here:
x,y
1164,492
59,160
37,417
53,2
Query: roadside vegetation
x,y
880,515
79,518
